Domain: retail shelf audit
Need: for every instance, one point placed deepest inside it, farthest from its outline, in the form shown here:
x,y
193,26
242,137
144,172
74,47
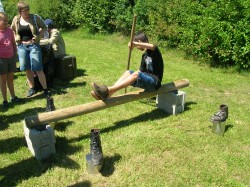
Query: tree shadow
x,y
13,118
11,145
11,175
3,126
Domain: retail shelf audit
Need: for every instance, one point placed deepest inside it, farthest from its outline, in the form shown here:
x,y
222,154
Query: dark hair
x,y
22,6
141,36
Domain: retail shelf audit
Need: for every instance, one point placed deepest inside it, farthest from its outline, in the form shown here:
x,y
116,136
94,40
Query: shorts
x,y
30,57
144,81
8,65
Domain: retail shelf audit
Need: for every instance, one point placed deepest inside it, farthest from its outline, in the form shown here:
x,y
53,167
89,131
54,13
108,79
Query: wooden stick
x,y
131,41
57,115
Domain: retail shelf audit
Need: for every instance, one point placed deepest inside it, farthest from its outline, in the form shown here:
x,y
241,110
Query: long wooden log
x,y
57,115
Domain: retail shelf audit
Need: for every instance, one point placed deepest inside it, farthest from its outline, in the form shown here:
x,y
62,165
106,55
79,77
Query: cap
x,y
48,22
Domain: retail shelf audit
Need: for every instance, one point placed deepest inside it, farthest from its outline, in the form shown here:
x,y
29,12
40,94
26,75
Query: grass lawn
x,y
142,145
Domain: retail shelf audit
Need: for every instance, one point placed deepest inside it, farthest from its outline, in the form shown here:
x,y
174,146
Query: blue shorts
x,y
30,57
144,81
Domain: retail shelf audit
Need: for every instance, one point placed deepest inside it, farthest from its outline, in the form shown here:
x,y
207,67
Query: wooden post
x,y
57,115
131,41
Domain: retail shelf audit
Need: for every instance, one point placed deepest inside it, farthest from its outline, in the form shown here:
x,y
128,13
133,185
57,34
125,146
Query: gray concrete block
x,y
41,142
172,103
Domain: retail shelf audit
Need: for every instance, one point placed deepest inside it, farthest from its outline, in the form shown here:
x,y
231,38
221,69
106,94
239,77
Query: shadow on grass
x,y
61,126
188,105
3,126
227,127
11,145
153,115
13,118
108,165
11,175
81,184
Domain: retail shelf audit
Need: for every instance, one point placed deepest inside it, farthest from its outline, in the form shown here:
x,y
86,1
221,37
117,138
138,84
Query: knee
x,y
135,74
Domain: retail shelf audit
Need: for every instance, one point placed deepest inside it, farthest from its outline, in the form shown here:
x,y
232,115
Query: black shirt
x,y
25,32
152,64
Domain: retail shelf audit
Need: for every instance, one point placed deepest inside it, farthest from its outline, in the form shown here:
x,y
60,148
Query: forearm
x,y
144,45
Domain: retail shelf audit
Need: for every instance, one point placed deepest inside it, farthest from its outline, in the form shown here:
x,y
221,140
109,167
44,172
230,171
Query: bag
x,y
65,67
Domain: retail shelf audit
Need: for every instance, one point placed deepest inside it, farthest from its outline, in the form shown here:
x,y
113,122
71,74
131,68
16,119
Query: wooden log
x,y
57,115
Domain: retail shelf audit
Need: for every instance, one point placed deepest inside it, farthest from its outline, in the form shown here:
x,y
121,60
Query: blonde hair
x,y
22,5
3,16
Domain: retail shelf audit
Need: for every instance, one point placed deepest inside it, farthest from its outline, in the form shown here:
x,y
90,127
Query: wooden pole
x,y
57,115
131,41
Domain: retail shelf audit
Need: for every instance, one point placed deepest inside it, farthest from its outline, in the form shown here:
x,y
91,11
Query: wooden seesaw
x,y
40,136
61,114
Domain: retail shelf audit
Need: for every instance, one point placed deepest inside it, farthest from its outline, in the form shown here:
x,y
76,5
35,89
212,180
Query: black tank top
x,y
25,32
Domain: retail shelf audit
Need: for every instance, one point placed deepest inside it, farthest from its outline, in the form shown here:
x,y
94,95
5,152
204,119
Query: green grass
x,y
142,145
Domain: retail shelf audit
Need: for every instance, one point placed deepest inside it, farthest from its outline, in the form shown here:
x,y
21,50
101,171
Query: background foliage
x,y
216,31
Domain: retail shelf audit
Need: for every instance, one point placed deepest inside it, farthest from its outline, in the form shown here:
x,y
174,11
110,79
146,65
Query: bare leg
x,y
124,76
42,79
10,83
123,82
30,78
3,80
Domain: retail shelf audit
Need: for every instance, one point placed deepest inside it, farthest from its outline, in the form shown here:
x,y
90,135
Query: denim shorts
x,y
8,65
144,81
30,57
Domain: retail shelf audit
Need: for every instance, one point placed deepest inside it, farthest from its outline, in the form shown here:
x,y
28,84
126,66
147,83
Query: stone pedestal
x,y
41,141
172,103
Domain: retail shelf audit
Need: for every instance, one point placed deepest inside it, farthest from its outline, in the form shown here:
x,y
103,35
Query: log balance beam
x,y
61,114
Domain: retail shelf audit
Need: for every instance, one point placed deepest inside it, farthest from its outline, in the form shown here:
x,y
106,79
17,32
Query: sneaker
x,y
97,97
31,92
50,104
16,100
5,105
101,91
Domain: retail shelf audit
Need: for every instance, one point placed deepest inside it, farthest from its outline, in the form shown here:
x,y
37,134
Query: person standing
x,y
8,59
27,36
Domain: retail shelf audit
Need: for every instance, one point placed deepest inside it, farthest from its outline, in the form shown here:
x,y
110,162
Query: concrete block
x,y
41,141
172,103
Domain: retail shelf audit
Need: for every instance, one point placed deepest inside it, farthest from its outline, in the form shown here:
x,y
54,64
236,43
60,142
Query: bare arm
x,y
142,45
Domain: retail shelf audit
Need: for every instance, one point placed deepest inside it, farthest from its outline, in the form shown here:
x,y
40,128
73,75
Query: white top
x,y
1,7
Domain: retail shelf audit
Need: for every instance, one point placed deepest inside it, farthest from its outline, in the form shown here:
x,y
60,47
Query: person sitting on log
x,y
148,77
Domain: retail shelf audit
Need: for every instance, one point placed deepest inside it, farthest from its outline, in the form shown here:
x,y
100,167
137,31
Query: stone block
x,y
41,141
172,103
